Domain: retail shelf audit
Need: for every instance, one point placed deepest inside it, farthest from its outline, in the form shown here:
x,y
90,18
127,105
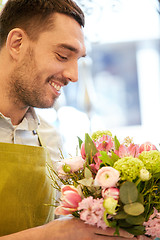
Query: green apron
x,y
25,188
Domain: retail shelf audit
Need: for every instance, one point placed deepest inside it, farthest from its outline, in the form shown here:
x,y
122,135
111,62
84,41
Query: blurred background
x,y
119,80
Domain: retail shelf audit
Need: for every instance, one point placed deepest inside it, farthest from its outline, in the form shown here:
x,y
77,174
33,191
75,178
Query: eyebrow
x,y
69,47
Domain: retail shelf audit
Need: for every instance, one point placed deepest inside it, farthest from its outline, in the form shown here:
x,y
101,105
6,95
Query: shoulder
x,y
45,126
51,138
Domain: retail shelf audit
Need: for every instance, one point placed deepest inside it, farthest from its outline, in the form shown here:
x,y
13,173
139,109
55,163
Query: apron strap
x,y
41,143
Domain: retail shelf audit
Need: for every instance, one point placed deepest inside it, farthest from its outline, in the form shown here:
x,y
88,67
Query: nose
x,y
71,72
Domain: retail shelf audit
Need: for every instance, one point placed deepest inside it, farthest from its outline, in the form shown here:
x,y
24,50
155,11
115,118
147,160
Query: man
x,y
40,44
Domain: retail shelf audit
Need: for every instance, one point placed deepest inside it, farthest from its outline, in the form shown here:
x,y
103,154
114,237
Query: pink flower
x,y
94,166
104,143
97,161
69,200
107,177
147,146
83,154
73,164
91,212
110,192
152,226
132,150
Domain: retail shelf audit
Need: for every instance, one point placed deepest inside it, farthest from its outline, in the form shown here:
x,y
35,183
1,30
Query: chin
x,y
44,103
47,105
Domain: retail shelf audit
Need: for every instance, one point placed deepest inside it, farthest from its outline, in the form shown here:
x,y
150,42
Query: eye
x,y
61,57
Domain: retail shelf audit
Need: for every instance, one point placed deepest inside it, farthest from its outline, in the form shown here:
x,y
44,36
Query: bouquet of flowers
x,y
112,184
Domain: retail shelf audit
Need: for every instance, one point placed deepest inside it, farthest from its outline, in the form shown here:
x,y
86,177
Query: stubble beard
x,y
25,92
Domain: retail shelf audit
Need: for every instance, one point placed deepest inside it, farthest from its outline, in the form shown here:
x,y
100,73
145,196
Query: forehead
x,y
65,32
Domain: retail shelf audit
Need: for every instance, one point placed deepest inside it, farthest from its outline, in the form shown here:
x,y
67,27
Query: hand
x,y
71,229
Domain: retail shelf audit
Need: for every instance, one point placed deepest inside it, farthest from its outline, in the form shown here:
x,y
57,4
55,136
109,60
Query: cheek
x,y
46,61
48,67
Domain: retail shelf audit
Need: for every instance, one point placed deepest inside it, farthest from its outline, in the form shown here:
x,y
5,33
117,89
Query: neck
x,y
15,113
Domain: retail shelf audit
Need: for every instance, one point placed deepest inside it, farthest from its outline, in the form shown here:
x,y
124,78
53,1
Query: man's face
x,y
49,64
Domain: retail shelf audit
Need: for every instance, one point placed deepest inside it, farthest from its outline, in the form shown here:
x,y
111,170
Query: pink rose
x,y
110,192
69,200
73,164
147,146
107,177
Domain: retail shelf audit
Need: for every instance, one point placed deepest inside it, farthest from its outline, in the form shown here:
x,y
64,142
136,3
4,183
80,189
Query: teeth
x,y
56,86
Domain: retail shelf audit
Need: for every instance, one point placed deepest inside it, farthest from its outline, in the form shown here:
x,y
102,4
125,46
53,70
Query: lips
x,y
55,85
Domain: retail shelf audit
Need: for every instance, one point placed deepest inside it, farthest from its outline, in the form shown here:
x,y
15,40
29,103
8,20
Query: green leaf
x,y
128,192
90,148
87,173
136,230
120,215
76,214
115,157
102,165
112,224
135,220
140,198
123,224
134,209
105,158
156,175
94,190
117,143
79,189
79,142
86,182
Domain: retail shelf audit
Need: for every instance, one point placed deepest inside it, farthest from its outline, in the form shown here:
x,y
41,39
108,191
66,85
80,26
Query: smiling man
x,y
40,44
38,63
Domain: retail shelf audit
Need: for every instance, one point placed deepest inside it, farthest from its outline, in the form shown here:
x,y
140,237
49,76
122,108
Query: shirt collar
x,y
30,121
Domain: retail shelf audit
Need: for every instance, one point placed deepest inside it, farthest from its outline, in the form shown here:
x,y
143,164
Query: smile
x,y
55,85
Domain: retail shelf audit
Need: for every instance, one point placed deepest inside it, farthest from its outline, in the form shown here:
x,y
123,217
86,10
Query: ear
x,y
16,42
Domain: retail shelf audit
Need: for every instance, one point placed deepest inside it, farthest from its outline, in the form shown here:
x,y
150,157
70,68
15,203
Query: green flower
x,y
66,168
151,160
110,205
98,134
145,174
129,168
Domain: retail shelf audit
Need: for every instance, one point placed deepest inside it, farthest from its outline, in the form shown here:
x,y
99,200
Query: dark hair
x,y
34,16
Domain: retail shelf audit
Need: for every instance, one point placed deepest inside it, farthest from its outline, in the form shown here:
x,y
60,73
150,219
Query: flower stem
x,y
138,181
